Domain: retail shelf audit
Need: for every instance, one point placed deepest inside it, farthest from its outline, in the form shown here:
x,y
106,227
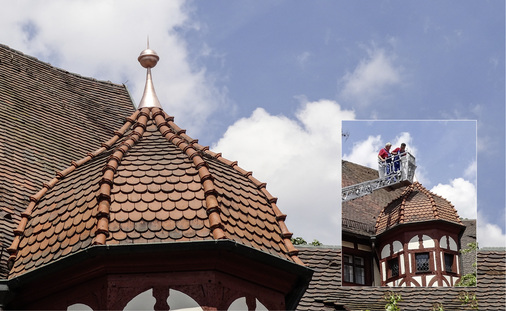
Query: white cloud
x,y
365,152
405,137
299,160
471,171
96,39
462,194
421,175
303,58
489,235
371,78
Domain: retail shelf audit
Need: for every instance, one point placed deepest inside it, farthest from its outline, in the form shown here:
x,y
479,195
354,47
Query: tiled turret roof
x,y
416,204
150,183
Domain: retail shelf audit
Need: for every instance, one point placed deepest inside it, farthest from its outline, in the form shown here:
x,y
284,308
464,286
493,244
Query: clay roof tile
x,y
147,181
137,194
415,204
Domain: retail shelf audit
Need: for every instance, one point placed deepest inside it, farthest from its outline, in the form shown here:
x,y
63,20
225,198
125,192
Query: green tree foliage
x,y
298,241
301,241
468,299
470,278
316,243
392,301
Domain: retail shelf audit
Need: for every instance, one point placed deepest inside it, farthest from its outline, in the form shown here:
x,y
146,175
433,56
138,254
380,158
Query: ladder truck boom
x,y
397,171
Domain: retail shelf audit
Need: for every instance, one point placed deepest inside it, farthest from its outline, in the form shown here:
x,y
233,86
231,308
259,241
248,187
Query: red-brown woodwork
x,y
404,233
214,278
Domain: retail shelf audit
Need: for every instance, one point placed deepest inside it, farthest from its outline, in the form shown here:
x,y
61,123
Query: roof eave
x,y
303,273
402,225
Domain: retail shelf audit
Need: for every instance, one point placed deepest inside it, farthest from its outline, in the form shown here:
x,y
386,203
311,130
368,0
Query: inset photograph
x,y
409,198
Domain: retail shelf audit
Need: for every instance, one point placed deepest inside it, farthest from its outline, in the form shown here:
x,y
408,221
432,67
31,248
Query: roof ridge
x,y
430,196
261,186
99,226
382,212
172,133
191,147
106,183
406,191
280,217
449,202
33,58
60,175
435,206
404,197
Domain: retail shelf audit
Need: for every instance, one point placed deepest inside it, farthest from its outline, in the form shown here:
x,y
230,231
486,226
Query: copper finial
x,y
148,59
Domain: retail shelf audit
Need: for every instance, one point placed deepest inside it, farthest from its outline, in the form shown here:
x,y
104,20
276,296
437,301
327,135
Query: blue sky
x,y
268,83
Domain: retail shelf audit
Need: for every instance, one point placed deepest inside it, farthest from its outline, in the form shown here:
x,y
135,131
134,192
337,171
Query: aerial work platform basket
x,y
397,171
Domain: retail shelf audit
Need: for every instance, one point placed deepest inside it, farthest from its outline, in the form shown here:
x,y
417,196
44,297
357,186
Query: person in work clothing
x,y
398,153
385,161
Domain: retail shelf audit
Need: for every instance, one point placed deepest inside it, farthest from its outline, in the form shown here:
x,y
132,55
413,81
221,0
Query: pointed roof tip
x,y
148,59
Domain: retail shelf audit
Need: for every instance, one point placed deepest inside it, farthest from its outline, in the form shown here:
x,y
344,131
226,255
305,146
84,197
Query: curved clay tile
x,y
149,183
416,204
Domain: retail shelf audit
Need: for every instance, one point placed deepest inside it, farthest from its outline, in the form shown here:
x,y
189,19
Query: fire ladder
x,y
396,172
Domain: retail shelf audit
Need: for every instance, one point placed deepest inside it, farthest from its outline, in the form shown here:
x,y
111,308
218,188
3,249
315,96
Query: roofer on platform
x,y
385,161
398,153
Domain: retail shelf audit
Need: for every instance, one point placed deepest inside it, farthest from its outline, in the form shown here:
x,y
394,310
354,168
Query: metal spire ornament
x,y
148,59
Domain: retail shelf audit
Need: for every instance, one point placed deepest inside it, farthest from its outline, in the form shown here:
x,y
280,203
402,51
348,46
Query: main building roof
x,y
48,118
326,293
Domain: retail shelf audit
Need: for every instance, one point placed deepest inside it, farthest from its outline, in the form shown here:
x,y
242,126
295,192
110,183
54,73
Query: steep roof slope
x,y
325,292
49,117
359,216
149,183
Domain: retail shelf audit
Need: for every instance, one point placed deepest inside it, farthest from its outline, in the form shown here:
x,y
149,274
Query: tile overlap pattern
x,y
157,195
416,204
48,117
149,183
246,214
325,292
326,263
359,216
63,221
